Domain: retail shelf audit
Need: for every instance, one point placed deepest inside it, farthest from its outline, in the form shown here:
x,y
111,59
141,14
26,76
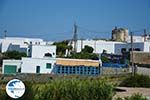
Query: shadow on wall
x,y
16,48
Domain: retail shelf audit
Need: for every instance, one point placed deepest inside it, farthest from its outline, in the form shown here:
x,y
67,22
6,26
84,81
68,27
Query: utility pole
x,y
145,35
75,38
95,44
81,44
132,60
5,33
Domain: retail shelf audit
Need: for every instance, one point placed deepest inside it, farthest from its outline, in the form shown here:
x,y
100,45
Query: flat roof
x,y
77,62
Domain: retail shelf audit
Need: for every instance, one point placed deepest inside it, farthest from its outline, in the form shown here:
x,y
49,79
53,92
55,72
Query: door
x,y
10,69
37,69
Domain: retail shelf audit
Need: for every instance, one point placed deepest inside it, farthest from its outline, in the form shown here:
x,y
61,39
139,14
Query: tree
x,y
82,55
62,47
87,49
14,55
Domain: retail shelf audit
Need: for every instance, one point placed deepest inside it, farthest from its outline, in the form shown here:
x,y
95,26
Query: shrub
x,y
73,90
66,89
3,95
84,55
136,81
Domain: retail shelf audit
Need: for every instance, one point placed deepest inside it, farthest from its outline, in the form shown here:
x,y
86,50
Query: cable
x,y
92,31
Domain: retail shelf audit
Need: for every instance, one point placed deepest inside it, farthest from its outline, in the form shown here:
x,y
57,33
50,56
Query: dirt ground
x,y
130,91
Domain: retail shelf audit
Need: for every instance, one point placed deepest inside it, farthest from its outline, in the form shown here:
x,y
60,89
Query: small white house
x,y
37,65
28,65
11,66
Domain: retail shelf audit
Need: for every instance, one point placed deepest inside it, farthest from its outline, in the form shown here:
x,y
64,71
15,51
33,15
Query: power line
x,y
92,31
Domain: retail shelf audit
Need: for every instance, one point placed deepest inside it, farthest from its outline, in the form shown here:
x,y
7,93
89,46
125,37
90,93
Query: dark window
x,y
48,65
137,49
48,55
123,50
130,49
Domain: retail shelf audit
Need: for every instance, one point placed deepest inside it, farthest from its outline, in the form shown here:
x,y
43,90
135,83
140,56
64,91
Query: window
x,y
48,65
48,55
137,49
123,50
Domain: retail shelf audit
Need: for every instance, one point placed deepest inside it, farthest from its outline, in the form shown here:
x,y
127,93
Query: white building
x,y
37,65
41,51
42,59
1,45
139,38
136,39
11,66
19,44
113,46
138,46
98,45
28,65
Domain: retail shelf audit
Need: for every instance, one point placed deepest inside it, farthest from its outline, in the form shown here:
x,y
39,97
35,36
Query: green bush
x,y
3,95
104,59
136,81
87,49
133,97
73,90
84,55
66,89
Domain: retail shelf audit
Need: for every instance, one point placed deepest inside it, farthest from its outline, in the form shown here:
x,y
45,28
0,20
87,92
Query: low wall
x,y
26,77
141,57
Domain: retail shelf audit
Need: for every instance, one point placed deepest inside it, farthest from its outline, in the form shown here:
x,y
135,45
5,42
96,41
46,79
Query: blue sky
x,y
54,19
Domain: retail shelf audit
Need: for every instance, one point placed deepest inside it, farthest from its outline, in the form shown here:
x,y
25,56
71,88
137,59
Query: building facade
x,y
98,45
19,44
11,66
38,65
77,67
41,60
42,51
112,46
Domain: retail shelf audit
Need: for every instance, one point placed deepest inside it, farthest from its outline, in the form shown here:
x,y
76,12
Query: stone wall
x,y
141,57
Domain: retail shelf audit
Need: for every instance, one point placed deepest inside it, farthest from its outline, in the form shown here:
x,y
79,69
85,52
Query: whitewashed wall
x,y
112,46
147,46
29,65
18,44
38,51
98,45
